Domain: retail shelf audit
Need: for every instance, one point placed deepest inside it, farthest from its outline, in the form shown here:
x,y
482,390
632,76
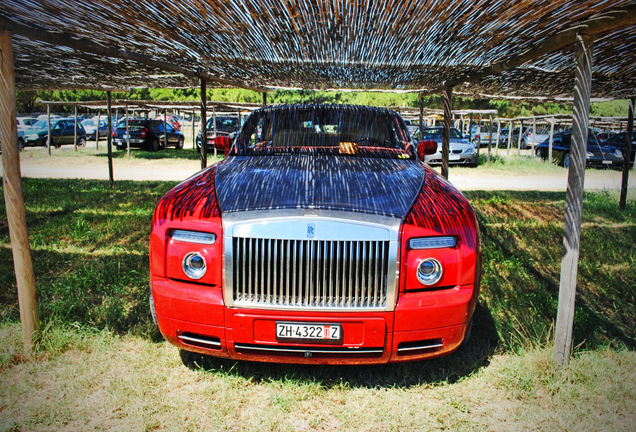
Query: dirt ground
x,y
66,163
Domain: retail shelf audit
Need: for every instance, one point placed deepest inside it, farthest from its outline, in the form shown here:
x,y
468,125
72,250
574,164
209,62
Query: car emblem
x,y
311,230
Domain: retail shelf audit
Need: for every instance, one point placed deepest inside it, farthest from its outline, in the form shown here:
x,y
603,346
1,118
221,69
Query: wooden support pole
x,y
520,138
490,136
447,97
13,197
574,200
509,137
421,126
478,138
551,141
109,140
264,98
498,136
204,133
534,133
165,129
471,138
194,142
49,137
627,155
127,134
214,126
75,129
99,120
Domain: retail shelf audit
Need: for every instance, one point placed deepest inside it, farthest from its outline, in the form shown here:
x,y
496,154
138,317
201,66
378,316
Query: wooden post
x,y
447,97
127,133
627,154
264,98
509,137
194,142
165,129
109,140
520,138
214,126
470,127
48,126
574,200
99,112
498,136
551,140
490,136
479,135
75,130
421,127
534,133
204,134
13,197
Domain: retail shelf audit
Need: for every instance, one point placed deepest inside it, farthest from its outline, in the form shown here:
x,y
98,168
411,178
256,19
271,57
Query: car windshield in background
x,y
131,123
333,130
436,134
40,124
224,124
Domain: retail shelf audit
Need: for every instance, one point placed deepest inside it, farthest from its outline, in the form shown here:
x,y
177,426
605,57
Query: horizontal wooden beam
x,y
607,22
86,45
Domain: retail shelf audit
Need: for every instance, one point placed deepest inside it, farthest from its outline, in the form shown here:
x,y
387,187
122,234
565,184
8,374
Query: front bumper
x,y
424,325
453,159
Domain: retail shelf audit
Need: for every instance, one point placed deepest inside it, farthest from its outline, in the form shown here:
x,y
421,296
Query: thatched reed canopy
x,y
474,45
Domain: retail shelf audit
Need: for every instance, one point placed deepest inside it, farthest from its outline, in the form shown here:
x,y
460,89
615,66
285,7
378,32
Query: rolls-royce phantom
x,y
322,238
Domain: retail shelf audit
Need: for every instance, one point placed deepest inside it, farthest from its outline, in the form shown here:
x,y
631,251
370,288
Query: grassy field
x,y
100,351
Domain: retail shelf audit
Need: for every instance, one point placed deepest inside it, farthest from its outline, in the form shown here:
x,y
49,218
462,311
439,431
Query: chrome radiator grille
x,y
328,274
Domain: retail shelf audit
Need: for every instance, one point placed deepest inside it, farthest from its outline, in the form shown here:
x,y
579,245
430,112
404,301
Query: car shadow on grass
x,y
470,357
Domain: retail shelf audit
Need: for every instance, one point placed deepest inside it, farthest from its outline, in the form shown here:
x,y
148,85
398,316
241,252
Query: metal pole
x,y
109,140
447,96
574,200
14,199
627,154
204,134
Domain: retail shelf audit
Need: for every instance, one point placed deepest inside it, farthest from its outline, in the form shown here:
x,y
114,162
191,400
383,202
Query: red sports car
x,y
322,238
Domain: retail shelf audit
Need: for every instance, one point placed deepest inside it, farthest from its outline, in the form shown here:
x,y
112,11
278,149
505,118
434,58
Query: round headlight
x,y
429,272
194,265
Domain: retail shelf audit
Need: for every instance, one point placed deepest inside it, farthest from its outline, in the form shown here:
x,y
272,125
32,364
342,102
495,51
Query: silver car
x,y
461,151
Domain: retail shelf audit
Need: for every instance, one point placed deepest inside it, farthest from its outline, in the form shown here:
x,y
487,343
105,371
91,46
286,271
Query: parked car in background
x,y
90,125
480,135
525,138
45,117
62,132
24,123
146,133
540,136
321,239
618,141
605,135
172,119
597,155
226,126
461,151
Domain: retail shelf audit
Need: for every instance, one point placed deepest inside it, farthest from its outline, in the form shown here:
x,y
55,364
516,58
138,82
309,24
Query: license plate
x,y
124,136
453,157
607,162
308,332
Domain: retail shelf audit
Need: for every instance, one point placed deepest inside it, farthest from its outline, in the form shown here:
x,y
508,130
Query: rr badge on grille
x,y
311,230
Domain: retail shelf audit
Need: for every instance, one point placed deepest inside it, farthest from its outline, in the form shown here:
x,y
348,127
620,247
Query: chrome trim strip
x,y
301,350
440,345
291,225
200,341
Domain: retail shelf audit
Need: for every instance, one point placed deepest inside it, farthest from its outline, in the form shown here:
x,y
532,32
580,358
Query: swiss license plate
x,y
453,157
308,332
124,136
607,162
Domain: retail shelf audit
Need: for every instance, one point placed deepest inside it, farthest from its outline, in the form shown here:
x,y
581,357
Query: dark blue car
x,y
618,141
146,133
596,156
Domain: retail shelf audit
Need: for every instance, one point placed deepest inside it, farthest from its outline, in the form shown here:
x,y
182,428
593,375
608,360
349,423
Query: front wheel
x,y
179,145
566,160
154,146
81,142
523,144
45,142
20,144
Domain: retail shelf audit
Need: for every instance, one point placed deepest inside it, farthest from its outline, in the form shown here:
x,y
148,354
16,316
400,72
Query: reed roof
x,y
315,44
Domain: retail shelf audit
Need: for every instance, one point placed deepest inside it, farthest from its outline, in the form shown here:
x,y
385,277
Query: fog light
x,y
194,265
429,272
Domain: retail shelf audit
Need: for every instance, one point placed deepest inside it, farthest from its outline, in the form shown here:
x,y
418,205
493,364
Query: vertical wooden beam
x,y
510,137
447,96
13,197
627,154
574,200
109,139
534,133
421,124
479,135
204,133
99,113
498,136
127,134
551,140
165,129
264,98
470,127
214,126
48,126
490,135
75,129
194,142
520,138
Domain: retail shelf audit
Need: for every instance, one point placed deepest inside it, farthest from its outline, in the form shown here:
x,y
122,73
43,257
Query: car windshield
x,y
40,124
328,129
224,124
132,123
88,122
436,133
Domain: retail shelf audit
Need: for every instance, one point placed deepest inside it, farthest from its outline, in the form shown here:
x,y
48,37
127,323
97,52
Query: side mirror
x,y
426,147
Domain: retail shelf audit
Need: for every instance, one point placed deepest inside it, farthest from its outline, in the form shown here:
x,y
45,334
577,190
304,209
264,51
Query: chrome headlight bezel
x,y
429,271
194,265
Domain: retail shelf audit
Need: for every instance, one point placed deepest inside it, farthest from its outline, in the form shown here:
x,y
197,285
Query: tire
x,y
179,145
523,144
566,160
45,143
118,147
154,146
82,142
20,144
